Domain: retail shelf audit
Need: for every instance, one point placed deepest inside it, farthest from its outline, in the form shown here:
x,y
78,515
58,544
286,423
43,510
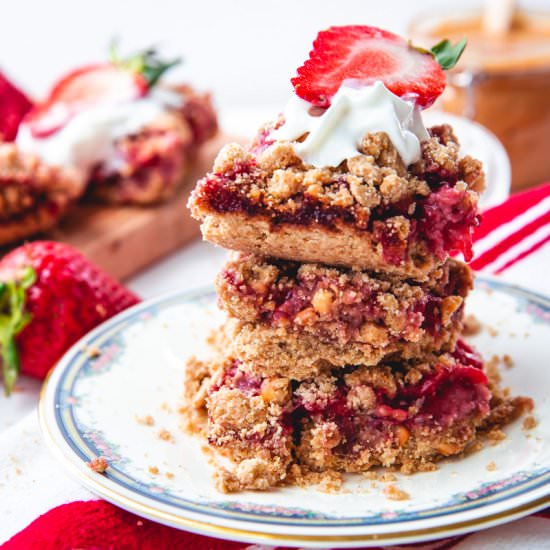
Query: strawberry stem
x,y
448,55
13,319
146,63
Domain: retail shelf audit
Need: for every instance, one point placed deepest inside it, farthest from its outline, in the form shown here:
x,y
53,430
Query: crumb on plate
x,y
165,435
394,493
471,325
92,352
147,420
98,464
529,422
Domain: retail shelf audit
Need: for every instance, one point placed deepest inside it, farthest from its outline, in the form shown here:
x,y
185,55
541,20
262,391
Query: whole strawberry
x,y
50,296
117,80
14,104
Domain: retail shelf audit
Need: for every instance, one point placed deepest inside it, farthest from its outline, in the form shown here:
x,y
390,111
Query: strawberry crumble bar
x,y
132,138
406,415
371,211
154,161
341,350
33,195
294,318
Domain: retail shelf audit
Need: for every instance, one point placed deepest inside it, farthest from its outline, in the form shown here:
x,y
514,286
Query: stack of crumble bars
x,y
342,347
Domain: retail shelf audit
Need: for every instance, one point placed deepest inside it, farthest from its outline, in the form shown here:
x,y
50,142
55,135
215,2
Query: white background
x,y
244,50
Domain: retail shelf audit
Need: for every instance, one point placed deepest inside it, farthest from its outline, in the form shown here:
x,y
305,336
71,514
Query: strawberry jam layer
x,y
443,220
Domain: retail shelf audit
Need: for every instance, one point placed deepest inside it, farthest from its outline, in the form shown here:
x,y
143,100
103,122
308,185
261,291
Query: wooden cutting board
x,y
125,239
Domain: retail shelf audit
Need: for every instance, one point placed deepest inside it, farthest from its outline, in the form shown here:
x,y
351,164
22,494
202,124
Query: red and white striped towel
x,y
512,231
512,241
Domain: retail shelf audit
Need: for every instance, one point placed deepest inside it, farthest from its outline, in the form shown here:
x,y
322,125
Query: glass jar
x,y
502,82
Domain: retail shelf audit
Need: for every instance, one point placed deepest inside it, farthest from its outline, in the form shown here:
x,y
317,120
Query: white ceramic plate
x,y
89,407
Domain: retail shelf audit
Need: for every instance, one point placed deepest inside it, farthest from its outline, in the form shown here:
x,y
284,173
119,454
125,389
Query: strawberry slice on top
x,y
14,104
80,90
116,81
368,54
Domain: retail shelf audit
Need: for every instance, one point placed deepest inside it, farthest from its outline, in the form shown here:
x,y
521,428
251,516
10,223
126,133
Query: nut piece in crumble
x,y
154,161
347,420
296,317
370,212
33,195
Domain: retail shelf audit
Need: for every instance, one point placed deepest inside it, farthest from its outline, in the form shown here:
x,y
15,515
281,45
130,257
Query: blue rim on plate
x,y
529,491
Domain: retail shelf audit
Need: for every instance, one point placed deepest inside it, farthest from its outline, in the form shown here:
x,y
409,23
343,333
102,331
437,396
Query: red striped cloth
x,y
508,233
513,230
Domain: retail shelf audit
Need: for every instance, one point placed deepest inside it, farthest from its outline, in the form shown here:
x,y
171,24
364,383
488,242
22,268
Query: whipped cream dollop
x,y
336,133
89,137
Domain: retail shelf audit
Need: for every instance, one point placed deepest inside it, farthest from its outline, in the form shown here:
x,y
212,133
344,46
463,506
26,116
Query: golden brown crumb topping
x,y
25,181
376,176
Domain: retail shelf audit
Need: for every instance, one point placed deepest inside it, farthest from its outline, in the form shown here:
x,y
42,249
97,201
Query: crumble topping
x,y
276,431
341,305
429,208
33,196
375,177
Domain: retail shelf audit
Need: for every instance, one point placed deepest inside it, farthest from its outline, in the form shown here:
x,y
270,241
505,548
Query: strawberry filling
x,y
445,398
444,220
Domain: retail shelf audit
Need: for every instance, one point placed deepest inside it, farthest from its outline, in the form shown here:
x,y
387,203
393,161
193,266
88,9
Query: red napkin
x,y
98,525
508,233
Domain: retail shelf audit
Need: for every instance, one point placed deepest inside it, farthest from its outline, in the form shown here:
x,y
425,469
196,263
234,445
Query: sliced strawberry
x,y
14,105
81,89
367,54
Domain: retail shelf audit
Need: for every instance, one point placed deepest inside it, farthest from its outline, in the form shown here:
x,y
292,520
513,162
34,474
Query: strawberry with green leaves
x,y
50,296
368,54
116,80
